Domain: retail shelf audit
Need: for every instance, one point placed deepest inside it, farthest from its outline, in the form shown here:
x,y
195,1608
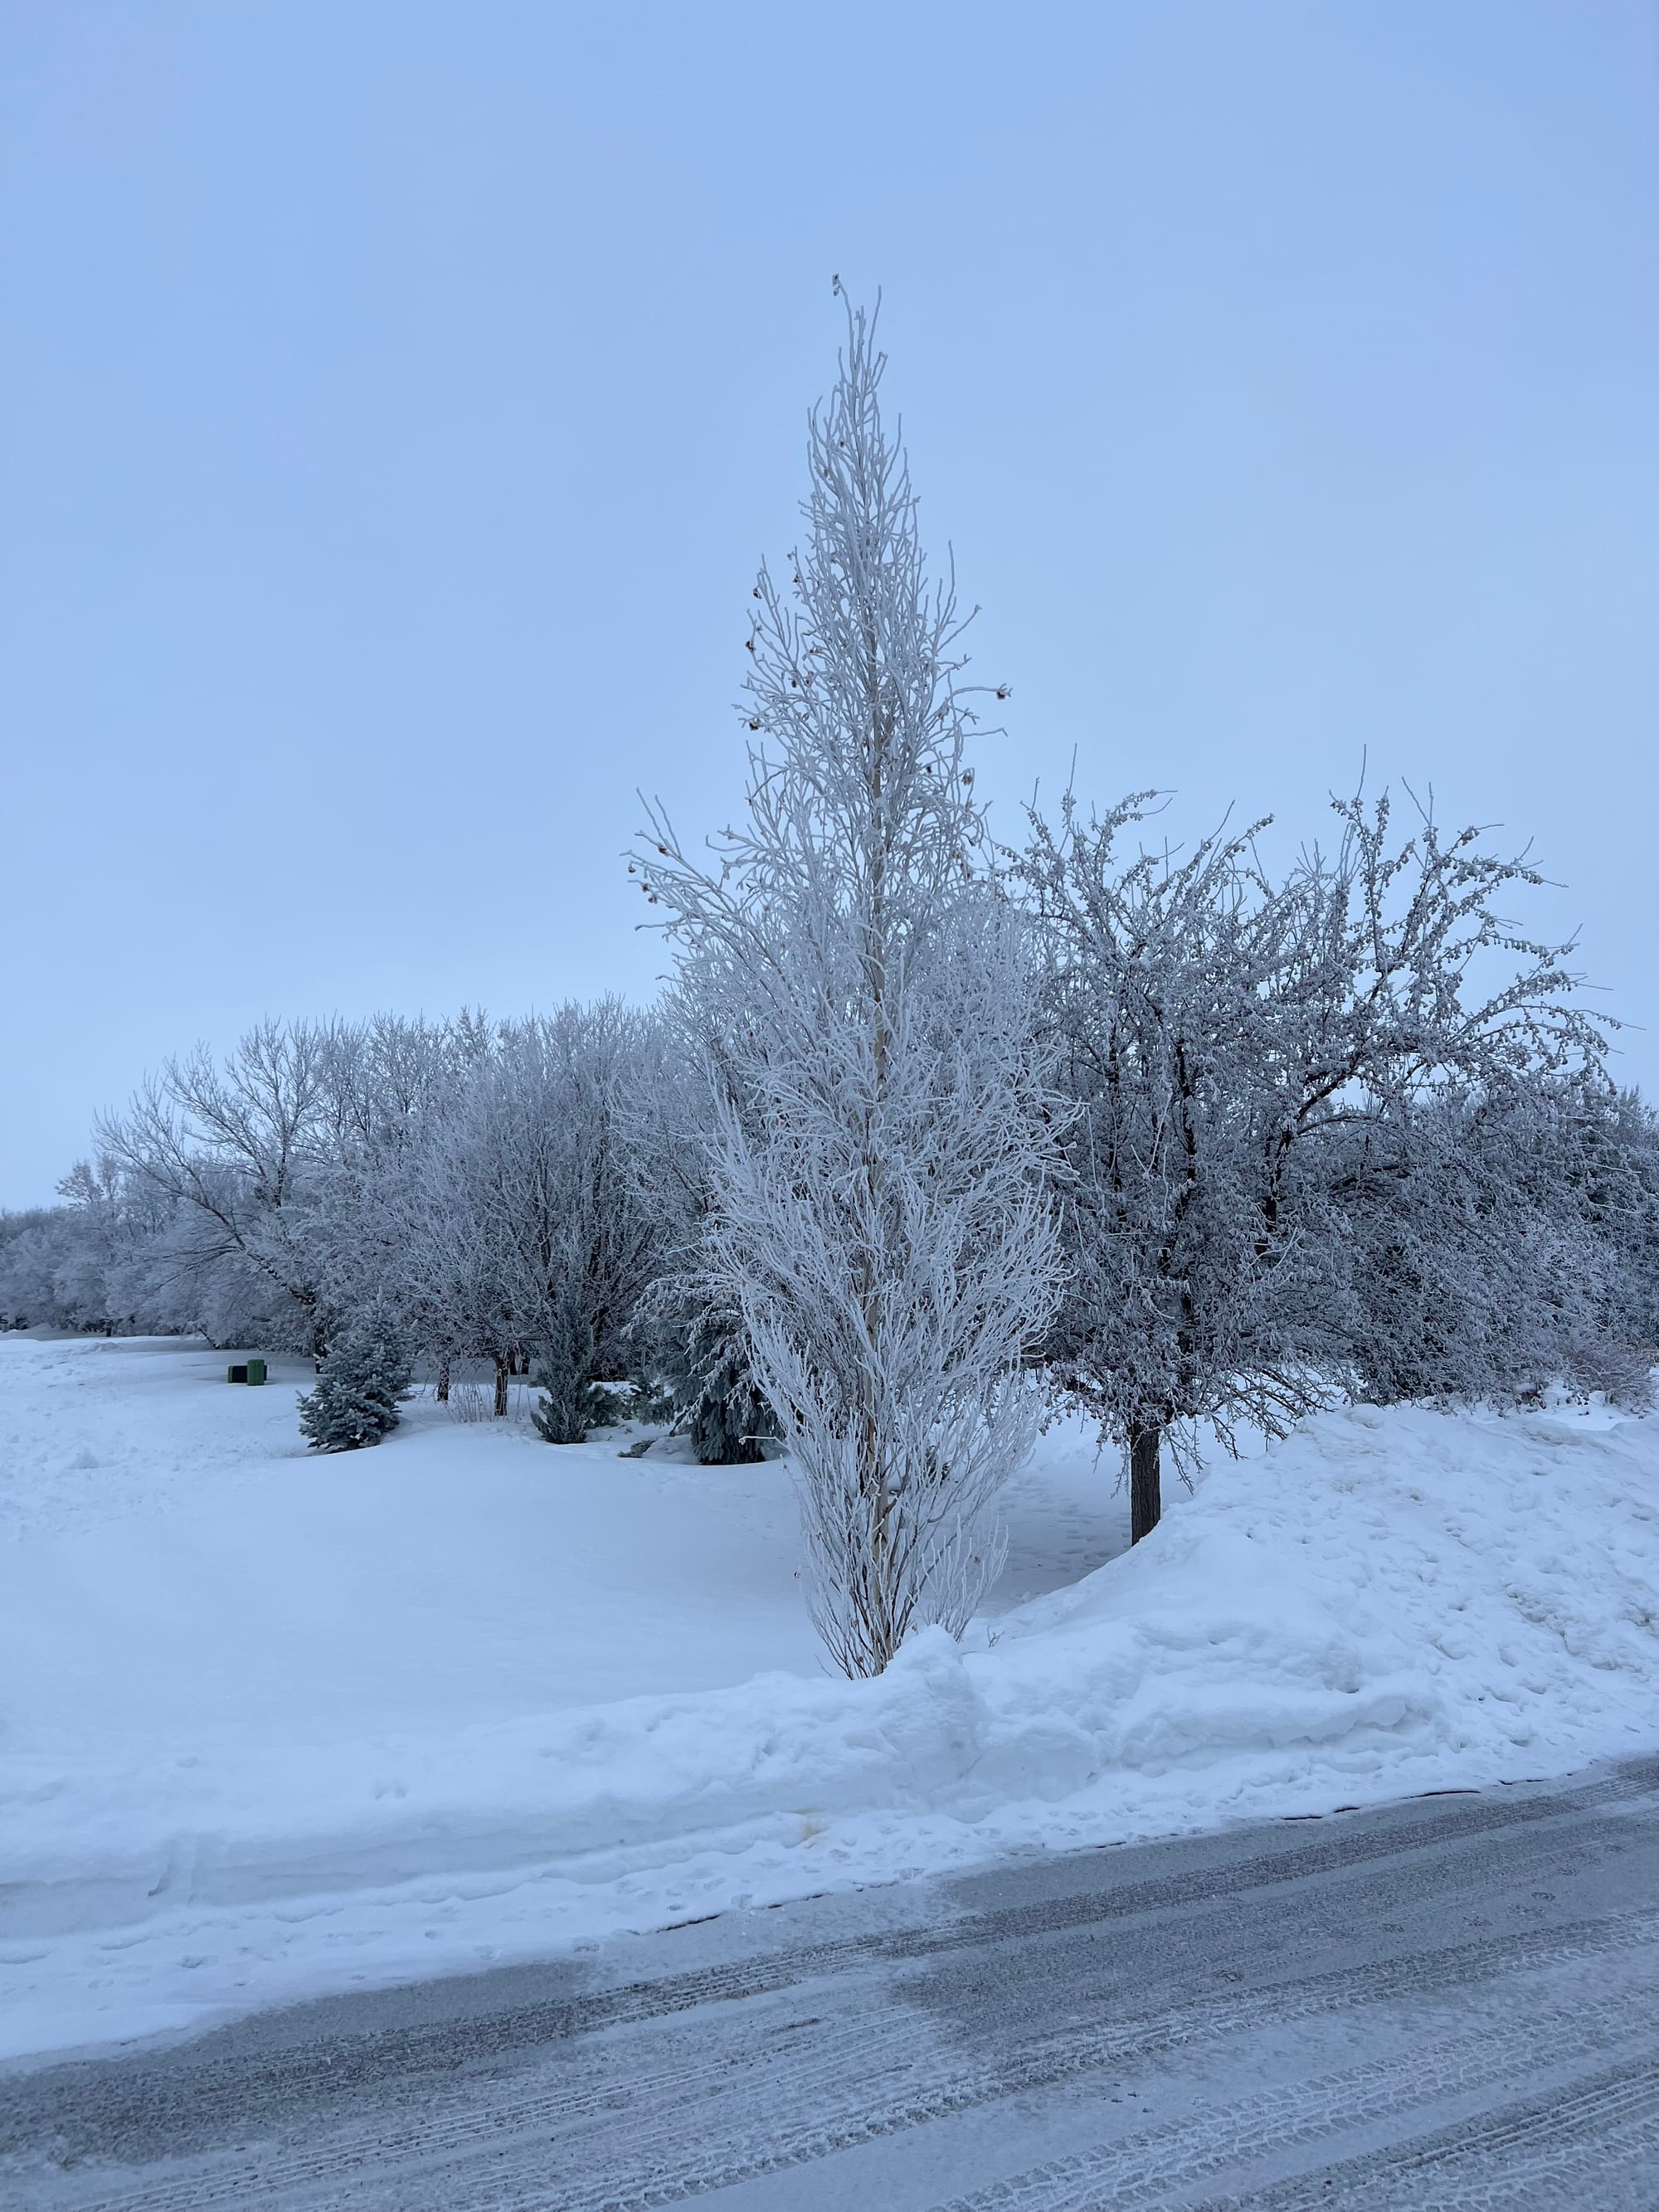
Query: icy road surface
x,y
1449,2001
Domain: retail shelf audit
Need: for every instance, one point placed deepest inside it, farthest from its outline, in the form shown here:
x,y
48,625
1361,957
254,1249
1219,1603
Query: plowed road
x,y
1450,2002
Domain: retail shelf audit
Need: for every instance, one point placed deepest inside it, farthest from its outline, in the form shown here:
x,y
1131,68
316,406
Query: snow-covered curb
x,y
1389,1603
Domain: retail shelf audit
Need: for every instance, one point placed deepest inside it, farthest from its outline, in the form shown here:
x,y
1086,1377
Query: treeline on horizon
x,y
928,1135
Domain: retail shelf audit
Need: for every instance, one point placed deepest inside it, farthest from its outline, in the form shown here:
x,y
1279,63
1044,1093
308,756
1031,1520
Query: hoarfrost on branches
x,y
1312,1114
879,1216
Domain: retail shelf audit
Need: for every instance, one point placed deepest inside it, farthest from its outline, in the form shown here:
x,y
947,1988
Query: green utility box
x,y
256,1370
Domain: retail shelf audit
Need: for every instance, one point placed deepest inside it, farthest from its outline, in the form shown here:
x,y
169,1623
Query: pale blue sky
x,y
395,400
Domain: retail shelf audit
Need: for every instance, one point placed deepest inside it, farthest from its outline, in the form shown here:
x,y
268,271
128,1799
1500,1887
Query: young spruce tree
x,y
854,987
363,1379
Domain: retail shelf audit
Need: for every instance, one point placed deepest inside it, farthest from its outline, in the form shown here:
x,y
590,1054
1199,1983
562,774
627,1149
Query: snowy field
x,y
272,1725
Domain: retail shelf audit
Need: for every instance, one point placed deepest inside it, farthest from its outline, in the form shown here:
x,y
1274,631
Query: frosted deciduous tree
x,y
1184,1300
35,1241
82,1264
391,1085
114,1221
528,1232
1291,1094
1449,1096
877,1218
274,1183
1493,1238
1628,1216
234,1150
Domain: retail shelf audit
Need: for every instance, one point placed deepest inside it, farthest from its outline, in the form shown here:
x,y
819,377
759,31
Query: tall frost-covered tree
x,y
855,990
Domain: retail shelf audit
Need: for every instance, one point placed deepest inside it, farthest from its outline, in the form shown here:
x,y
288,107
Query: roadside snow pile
x,y
1409,1591
1390,1602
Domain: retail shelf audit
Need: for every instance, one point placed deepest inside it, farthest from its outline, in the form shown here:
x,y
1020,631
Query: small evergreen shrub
x,y
568,1408
651,1402
362,1380
729,1420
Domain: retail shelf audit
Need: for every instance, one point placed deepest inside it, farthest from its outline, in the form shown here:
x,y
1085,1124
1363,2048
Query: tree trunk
x,y
443,1380
1145,1501
502,1370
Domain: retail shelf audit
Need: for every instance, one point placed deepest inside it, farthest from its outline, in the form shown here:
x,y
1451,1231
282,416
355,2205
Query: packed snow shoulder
x,y
1391,1601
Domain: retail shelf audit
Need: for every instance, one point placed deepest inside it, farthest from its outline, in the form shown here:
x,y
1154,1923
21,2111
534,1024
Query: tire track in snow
x,y
670,2087
1594,2146
1164,2165
873,2076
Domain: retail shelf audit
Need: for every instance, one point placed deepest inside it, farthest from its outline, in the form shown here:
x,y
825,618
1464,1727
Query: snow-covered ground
x,y
272,1725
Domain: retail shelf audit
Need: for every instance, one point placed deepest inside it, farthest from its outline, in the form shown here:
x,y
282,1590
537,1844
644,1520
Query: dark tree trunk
x,y
501,1371
443,1380
1145,1498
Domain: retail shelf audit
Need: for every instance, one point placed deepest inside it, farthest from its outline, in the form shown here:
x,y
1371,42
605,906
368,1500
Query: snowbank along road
x,y
1451,2001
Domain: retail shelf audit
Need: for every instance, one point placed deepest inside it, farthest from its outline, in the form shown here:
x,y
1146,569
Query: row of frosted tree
x,y
928,1135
